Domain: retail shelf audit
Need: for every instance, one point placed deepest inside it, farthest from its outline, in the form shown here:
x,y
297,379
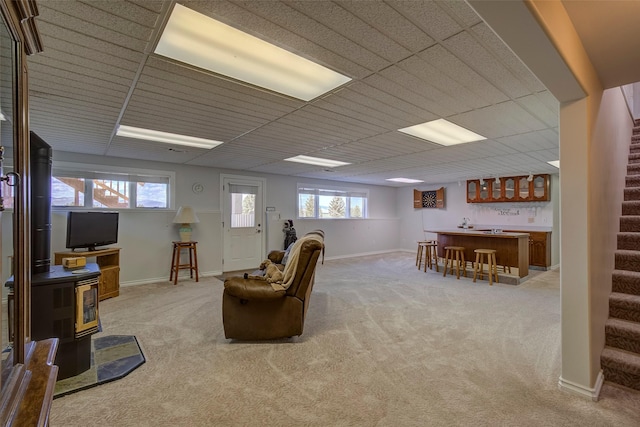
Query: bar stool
x,y
432,255
176,265
449,253
421,245
491,264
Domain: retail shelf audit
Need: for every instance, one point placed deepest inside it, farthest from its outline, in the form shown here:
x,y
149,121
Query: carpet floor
x,y
384,344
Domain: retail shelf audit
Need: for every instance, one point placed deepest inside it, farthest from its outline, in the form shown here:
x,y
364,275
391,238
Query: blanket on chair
x,y
291,267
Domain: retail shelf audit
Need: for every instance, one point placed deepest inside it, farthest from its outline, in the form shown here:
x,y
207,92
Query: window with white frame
x,y
110,188
331,202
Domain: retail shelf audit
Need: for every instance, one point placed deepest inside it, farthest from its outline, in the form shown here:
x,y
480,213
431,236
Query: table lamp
x,y
185,216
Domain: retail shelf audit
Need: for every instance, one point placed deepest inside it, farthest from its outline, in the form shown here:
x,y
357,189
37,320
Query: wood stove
x,y
64,302
65,305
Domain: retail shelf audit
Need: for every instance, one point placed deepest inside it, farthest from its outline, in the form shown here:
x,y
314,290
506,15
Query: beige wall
x,y
608,157
594,129
574,245
594,139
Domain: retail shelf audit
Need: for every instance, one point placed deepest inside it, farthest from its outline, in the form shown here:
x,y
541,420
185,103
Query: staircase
x,y
620,359
108,193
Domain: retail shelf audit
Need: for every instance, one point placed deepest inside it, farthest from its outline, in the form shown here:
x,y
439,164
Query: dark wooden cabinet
x,y
540,188
539,247
508,189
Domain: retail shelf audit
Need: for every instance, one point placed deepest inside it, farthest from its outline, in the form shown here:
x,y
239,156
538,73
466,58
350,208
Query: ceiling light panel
x,y
317,161
404,180
165,137
442,132
196,39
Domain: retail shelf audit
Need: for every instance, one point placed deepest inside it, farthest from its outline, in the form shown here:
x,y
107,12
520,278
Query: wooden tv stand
x,y
109,262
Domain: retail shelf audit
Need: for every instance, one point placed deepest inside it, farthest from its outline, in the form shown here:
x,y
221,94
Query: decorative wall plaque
x,y
428,199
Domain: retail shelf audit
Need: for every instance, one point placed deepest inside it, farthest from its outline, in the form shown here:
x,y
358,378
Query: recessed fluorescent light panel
x,y
167,138
198,40
442,132
316,161
555,163
404,180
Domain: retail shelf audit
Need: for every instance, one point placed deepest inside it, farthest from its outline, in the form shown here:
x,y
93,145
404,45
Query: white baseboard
x,y
165,279
591,393
330,258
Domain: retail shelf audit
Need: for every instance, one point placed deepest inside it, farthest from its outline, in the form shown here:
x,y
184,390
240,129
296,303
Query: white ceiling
x,y
410,62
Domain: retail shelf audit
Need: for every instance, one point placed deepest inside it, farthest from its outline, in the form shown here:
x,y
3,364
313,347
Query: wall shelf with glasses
x,y
509,189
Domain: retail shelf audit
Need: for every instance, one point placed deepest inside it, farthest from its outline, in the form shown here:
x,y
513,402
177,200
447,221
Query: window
x,y
115,188
328,202
243,202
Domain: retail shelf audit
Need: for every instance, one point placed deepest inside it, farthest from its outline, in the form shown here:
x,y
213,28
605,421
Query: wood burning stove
x,y
65,305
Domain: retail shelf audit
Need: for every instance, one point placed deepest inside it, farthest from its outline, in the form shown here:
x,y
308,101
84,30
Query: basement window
x,y
115,188
324,202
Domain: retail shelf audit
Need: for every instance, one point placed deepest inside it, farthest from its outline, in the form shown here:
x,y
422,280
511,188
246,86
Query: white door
x,y
242,223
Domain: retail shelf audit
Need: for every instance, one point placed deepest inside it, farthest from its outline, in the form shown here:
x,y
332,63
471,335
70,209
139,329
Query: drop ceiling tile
x,y
466,47
396,104
495,121
362,109
462,98
506,57
423,89
388,21
429,17
465,75
151,150
460,11
545,155
535,105
83,19
430,107
343,22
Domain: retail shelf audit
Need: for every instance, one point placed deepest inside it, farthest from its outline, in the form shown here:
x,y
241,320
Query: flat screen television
x,y
91,229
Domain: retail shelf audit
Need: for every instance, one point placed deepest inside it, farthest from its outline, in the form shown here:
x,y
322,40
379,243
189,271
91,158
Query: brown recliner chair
x,y
253,310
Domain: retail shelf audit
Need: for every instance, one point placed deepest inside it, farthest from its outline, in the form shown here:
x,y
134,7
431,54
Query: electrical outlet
x,y
530,220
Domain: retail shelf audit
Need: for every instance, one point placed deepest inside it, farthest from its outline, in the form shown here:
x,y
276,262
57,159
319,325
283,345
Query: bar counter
x,y
512,249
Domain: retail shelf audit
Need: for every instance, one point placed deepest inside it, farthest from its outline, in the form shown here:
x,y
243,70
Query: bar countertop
x,y
478,232
512,249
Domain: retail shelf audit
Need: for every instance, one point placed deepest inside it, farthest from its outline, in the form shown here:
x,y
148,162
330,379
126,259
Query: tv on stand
x,y
91,230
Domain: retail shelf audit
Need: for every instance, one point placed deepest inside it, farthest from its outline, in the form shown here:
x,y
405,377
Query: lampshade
x,y
186,215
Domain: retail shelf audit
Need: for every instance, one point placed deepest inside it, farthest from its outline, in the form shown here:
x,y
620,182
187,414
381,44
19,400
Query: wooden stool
x,y
421,246
432,255
458,251
175,260
491,264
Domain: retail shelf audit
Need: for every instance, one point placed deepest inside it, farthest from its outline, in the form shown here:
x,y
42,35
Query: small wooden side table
x,y
175,260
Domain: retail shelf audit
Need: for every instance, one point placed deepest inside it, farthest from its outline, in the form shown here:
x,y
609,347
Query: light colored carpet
x,y
384,344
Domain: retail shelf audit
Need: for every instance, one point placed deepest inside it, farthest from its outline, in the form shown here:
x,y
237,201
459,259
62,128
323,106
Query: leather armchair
x,y
254,310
